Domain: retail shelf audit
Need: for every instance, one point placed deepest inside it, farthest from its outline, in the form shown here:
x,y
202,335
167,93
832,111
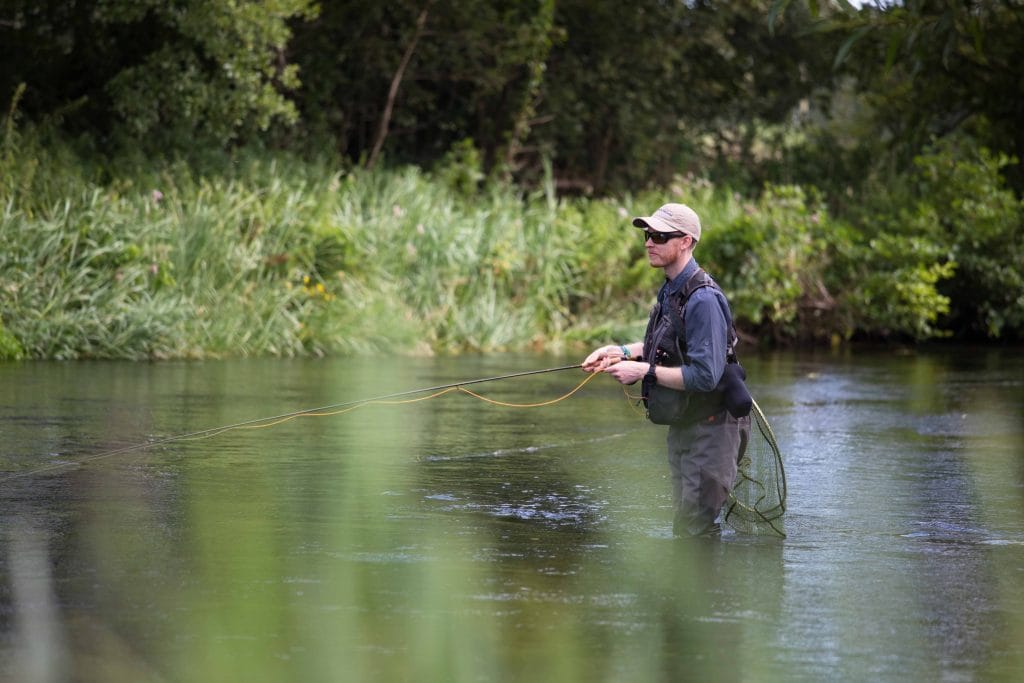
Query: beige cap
x,y
672,218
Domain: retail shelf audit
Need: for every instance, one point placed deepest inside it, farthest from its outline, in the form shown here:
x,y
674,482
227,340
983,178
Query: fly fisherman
x,y
682,363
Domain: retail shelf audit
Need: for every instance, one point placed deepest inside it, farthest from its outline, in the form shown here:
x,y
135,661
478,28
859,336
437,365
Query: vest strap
x,y
677,314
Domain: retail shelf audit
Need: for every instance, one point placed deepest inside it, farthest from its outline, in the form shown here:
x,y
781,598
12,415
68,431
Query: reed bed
x,y
285,257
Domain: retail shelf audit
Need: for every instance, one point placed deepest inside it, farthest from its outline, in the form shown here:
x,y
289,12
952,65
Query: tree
x,y
396,81
927,69
467,78
165,73
639,96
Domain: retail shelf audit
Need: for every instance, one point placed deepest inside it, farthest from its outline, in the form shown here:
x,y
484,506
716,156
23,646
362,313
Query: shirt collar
x,y
676,284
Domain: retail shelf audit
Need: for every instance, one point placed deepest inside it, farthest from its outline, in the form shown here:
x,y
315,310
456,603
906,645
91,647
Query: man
x,y
683,356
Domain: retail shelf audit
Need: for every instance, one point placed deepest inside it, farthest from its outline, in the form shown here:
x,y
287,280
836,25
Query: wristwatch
x,y
651,372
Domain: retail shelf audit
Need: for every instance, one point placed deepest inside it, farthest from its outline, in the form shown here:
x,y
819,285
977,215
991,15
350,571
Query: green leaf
x,y
891,51
848,44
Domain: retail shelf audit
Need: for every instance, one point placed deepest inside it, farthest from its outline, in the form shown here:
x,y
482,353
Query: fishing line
x,y
328,410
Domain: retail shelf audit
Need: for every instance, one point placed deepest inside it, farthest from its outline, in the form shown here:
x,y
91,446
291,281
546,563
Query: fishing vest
x,y
665,345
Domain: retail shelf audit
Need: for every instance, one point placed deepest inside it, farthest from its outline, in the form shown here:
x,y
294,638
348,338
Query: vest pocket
x,y
664,406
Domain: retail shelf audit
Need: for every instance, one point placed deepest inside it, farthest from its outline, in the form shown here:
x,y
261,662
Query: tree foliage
x,y
613,97
667,88
473,75
965,206
160,74
928,69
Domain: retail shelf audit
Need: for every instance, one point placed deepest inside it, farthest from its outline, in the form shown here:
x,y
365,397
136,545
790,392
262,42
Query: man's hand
x,y
602,358
611,360
628,371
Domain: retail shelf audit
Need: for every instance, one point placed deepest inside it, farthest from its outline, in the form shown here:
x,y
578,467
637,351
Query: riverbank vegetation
x,y
277,255
339,188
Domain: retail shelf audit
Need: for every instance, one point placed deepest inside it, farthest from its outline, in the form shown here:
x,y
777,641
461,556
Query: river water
x,y
452,539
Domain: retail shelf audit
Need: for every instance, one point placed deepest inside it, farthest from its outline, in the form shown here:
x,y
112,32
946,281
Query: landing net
x,y
758,500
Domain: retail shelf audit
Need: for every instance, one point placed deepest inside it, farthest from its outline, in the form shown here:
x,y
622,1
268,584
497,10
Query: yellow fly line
x,y
386,402
325,411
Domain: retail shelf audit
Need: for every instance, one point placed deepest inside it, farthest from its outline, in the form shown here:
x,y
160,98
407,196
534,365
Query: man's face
x,y
661,255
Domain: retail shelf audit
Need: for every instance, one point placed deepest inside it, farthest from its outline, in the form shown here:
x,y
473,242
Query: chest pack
x,y
665,345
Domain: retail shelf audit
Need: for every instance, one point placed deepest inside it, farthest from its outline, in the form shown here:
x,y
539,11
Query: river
x,y
457,540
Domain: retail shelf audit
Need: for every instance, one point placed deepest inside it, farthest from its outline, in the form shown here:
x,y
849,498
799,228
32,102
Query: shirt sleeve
x,y
706,343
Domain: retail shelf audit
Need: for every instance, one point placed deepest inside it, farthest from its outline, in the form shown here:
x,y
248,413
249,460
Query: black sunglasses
x,y
660,237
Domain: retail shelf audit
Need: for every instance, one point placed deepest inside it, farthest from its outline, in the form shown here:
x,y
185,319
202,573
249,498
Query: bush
x,y
980,222
888,286
769,258
792,272
948,227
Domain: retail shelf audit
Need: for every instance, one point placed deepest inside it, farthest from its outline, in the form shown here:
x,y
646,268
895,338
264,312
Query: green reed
x,y
285,257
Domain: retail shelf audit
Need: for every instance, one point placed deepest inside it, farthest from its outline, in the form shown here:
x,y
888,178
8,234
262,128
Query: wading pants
x,y
702,459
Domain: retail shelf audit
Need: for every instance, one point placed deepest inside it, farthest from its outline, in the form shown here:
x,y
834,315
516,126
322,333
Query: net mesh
x,y
758,499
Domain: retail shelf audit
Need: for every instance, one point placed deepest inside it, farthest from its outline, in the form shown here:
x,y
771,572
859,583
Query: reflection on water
x,y
454,540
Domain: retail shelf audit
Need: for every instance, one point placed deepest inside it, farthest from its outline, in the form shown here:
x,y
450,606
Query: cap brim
x,y
654,223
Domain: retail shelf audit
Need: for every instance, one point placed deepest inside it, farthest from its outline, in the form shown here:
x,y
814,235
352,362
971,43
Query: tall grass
x,y
270,254
285,257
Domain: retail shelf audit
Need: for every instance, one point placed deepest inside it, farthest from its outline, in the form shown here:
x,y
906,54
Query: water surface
x,y
451,539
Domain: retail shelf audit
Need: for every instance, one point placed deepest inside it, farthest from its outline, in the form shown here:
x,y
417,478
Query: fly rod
x,y
335,407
